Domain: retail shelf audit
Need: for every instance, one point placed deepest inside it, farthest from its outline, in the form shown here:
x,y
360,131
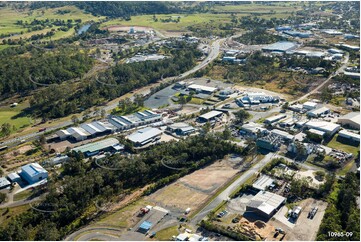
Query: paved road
x,y
227,192
339,70
87,234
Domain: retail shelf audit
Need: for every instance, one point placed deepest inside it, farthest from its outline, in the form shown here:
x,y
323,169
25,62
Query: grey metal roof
x,y
96,146
4,182
143,135
281,46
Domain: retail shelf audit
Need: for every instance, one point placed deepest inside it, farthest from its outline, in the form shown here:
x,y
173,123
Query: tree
x,y
5,129
2,197
103,113
241,116
326,95
226,134
74,119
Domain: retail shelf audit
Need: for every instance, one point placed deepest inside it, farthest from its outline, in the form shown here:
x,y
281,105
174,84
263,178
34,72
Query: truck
x,y
296,212
187,210
144,211
312,213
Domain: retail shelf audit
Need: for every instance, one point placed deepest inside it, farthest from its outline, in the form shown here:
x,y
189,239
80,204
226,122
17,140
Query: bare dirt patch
x,y
194,189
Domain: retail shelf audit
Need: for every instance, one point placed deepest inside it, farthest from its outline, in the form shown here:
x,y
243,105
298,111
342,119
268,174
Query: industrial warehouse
x,y
91,149
145,136
265,204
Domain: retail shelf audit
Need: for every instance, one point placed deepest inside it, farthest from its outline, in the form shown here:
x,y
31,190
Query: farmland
x,y
185,21
9,17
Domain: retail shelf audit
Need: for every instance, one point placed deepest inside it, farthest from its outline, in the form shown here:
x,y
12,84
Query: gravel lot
x,y
305,229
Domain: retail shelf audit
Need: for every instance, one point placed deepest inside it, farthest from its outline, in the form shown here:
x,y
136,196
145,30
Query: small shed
x,y
145,227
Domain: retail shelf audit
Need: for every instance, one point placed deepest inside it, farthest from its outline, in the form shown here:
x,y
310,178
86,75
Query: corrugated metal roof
x,y
33,169
211,114
143,135
96,146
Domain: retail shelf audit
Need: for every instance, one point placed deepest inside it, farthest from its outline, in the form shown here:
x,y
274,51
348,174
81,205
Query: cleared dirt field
x,y
194,189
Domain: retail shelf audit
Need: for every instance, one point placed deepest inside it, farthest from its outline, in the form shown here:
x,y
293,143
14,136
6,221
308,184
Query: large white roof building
x,y
265,203
351,120
145,136
327,127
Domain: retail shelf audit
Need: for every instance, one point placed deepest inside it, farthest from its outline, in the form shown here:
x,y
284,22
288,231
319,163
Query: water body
x,y
84,28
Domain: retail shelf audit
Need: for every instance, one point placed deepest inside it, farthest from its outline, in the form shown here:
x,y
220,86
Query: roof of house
x,y
143,135
99,145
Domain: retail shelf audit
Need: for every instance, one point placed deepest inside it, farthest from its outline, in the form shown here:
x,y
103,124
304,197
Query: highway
x,y
228,191
215,48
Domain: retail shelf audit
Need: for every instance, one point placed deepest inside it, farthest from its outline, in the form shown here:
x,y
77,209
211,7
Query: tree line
x,y
343,212
81,184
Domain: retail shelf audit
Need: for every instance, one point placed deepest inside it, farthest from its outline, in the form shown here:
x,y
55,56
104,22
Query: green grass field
x,y
166,234
22,195
7,116
7,214
341,146
9,17
258,8
185,20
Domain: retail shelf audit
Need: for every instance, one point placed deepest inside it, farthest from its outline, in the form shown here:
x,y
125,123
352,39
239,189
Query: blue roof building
x,y
145,227
33,173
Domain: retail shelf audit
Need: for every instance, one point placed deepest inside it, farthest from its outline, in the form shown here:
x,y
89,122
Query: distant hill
x,y
115,9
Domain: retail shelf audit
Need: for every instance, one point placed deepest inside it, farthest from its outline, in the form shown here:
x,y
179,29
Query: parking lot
x,y
160,98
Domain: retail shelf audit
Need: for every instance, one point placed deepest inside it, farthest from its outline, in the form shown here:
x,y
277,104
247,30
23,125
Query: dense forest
x,y
110,84
84,183
343,212
19,74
